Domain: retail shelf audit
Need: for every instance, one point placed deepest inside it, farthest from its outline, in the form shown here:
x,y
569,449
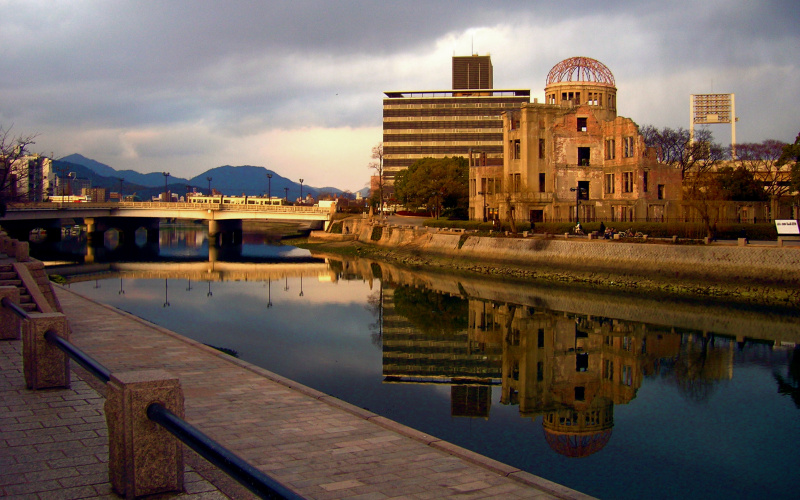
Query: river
x,y
614,395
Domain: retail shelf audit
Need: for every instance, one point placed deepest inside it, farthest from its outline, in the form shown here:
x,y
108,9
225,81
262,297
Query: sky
x,y
297,86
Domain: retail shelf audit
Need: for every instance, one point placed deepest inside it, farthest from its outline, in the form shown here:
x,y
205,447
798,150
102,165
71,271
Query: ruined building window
x,y
610,151
516,149
627,147
584,156
541,148
644,180
660,191
609,185
517,182
627,182
582,124
541,183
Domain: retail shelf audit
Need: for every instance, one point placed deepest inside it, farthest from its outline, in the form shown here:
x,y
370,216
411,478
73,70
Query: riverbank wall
x,y
746,264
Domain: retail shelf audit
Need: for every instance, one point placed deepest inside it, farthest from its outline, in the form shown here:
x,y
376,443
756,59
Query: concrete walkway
x,y
315,444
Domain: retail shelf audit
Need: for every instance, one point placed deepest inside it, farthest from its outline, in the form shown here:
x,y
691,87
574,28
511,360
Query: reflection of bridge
x,y
198,271
224,220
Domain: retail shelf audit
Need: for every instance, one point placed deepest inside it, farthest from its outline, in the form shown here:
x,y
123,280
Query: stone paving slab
x,y
314,444
54,443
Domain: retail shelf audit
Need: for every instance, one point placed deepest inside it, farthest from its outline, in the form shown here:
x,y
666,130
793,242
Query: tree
x,y
791,156
676,148
13,148
435,183
739,184
377,166
761,160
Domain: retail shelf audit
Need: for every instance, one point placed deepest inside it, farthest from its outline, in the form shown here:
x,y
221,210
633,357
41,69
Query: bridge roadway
x,y
315,444
128,216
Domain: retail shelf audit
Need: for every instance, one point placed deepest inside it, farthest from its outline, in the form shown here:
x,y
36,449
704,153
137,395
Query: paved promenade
x,y
53,442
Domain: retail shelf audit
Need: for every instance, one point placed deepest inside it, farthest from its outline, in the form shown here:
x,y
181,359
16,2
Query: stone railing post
x,y
44,364
144,458
9,322
22,251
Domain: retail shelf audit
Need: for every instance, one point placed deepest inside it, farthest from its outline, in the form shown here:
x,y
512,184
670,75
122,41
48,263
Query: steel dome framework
x,y
581,69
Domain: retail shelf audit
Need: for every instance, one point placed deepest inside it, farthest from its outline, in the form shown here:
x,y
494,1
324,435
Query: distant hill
x,y
234,181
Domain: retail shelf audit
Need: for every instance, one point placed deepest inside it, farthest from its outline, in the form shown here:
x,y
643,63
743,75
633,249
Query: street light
x,y
483,193
579,191
209,185
121,180
286,194
269,186
301,190
166,177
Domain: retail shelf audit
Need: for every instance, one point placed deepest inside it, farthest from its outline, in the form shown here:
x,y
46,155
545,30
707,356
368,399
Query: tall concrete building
x,y
463,121
472,72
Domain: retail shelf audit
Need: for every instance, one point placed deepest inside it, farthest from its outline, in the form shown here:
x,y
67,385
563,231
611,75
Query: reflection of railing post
x,y
144,458
44,364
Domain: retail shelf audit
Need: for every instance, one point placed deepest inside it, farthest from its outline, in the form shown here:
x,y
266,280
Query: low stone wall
x,y
695,262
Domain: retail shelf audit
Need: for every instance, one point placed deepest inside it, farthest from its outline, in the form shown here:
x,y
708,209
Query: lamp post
x,y
166,178
269,186
209,185
121,180
286,194
578,192
301,190
483,207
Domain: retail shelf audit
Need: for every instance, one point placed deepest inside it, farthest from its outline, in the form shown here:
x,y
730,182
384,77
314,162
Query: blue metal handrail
x,y
247,475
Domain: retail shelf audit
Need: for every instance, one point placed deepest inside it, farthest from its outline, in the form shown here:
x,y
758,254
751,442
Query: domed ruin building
x,y
574,151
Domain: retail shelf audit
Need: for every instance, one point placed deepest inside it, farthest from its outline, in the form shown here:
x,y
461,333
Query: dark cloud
x,y
240,68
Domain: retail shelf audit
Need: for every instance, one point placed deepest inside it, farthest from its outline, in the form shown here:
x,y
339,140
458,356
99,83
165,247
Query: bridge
x,y
224,220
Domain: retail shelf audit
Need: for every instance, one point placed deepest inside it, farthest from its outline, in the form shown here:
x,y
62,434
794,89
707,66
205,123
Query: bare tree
x,y
13,149
761,160
377,166
675,147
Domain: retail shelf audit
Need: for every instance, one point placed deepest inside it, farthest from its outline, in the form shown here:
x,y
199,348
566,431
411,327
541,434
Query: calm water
x,y
617,397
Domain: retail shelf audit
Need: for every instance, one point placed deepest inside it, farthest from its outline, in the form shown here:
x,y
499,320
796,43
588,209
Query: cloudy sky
x,y
297,86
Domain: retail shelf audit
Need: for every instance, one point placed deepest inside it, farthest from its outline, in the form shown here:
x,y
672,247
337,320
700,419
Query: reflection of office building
x,y
438,349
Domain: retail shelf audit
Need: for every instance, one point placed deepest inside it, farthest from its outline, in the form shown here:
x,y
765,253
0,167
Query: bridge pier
x,y
224,232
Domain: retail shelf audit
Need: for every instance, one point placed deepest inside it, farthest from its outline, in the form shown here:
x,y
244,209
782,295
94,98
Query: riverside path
x,y
316,445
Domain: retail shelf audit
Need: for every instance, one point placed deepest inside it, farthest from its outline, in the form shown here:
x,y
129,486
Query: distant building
x,y
437,123
95,194
572,156
31,179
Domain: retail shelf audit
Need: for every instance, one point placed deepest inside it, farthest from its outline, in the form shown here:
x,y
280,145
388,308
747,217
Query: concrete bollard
x,y
742,242
566,236
9,322
706,240
144,458
780,242
674,238
45,365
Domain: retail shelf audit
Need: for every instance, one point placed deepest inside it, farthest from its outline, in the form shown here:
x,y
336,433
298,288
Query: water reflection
x,y
566,368
617,396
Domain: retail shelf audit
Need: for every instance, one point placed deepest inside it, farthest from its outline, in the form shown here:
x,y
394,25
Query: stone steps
x,y
8,277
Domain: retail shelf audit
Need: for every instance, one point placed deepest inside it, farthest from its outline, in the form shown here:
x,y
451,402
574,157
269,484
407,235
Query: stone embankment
x,y
769,273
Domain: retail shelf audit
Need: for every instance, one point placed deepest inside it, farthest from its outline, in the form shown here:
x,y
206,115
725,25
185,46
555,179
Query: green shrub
x,y
377,233
336,227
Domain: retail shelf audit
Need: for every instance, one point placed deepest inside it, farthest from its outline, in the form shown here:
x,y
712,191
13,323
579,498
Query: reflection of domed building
x,y
574,433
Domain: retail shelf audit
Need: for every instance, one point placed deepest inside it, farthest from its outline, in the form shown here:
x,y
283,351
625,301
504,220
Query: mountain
x,y
153,179
234,181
